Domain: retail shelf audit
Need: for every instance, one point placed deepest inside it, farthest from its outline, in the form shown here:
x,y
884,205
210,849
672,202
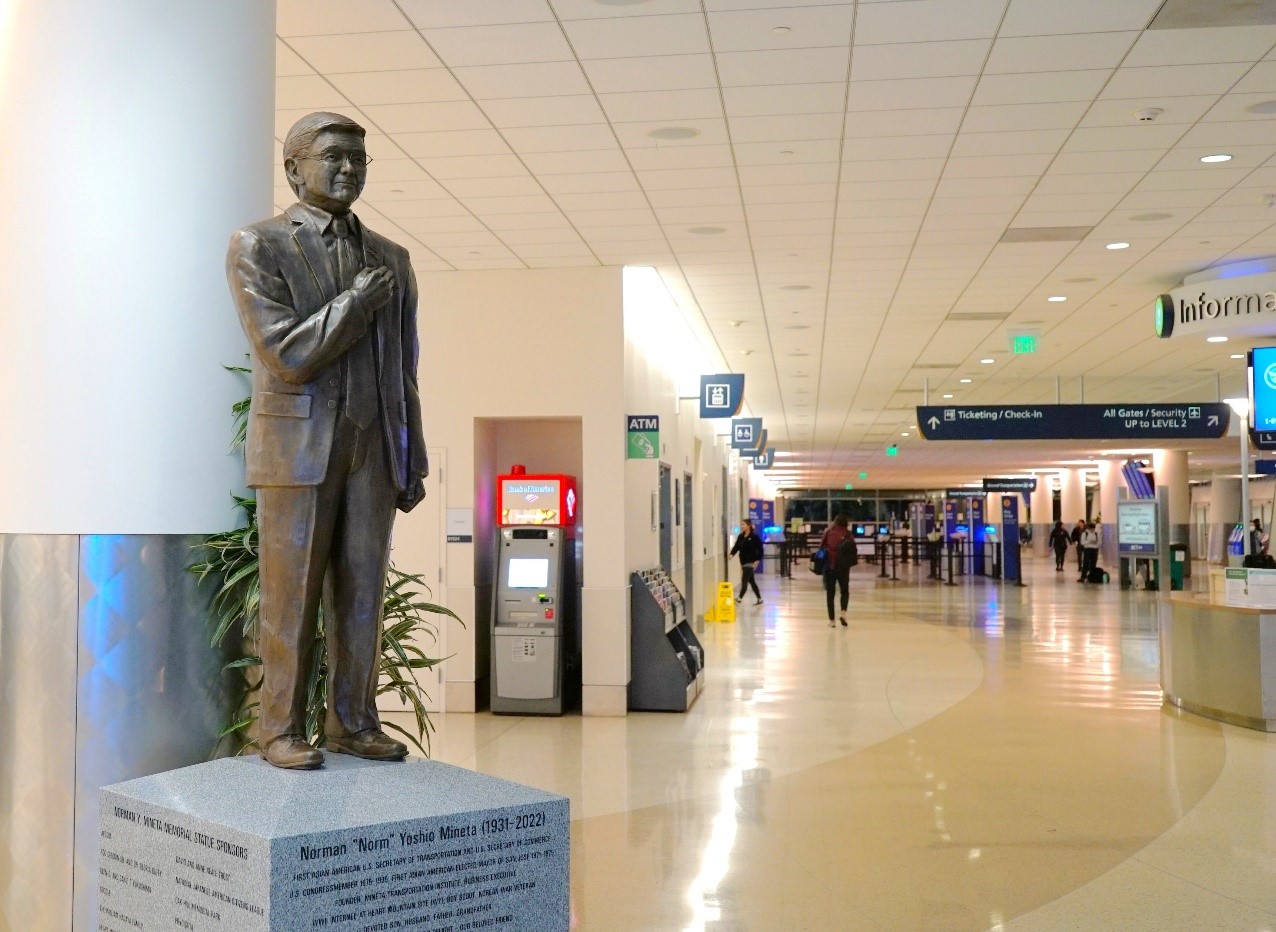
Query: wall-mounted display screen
x,y
1262,388
528,573
1136,528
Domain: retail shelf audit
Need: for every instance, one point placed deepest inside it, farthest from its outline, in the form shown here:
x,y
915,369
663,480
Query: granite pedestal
x,y
239,845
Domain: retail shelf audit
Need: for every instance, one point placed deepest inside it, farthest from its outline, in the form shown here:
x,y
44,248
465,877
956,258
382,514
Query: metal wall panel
x,y
106,674
39,604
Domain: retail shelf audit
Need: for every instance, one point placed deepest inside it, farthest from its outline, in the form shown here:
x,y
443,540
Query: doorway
x,y
688,552
666,519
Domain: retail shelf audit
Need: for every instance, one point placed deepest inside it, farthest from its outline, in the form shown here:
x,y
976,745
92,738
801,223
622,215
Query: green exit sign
x,y
1023,343
849,487
863,475
892,450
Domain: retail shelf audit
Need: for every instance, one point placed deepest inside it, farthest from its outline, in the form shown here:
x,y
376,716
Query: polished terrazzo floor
x,y
973,757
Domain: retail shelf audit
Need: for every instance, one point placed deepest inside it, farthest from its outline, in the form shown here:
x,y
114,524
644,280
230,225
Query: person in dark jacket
x,y
749,546
1059,541
836,575
1075,538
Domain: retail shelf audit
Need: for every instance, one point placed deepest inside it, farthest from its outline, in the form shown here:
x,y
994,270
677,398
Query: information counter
x,y
1219,661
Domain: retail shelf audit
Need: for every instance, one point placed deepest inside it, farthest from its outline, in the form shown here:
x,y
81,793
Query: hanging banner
x,y
721,395
1010,569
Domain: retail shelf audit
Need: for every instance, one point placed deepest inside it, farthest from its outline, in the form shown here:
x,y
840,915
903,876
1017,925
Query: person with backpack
x,y
842,552
749,546
1089,551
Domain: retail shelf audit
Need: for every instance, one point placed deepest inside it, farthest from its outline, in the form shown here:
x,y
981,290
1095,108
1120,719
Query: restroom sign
x,y
746,433
643,432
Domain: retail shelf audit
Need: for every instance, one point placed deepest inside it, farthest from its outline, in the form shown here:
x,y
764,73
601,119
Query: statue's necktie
x,y
361,367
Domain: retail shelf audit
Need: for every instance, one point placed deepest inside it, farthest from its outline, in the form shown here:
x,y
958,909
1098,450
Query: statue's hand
x,y
412,497
374,288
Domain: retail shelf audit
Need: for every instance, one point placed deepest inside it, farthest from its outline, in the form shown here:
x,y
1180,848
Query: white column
x,y
1109,482
1224,514
1169,468
1072,496
140,136
1042,502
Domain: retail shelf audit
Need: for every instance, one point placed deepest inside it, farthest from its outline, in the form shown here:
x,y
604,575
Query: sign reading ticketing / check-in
x,y
1205,421
721,395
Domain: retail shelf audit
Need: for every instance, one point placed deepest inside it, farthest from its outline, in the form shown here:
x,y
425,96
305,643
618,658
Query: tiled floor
x,y
977,757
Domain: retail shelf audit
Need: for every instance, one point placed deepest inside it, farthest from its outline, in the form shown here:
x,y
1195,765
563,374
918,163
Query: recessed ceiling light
x,y
903,433
734,323
796,327
746,352
965,381
795,287
1238,355
1117,246
781,30
1266,106
1056,298
987,361
711,231
948,396
1149,218
1220,157
1216,339
674,132
1082,279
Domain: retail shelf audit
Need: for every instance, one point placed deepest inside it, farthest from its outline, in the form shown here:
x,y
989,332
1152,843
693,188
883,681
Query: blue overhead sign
x,y
1262,395
1139,421
745,433
1010,485
765,459
721,395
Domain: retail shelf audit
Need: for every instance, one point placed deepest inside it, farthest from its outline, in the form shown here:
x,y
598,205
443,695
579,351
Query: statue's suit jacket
x,y
301,326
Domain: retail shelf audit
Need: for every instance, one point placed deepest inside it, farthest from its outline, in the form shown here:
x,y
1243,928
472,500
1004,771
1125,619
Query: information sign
x,y
644,436
765,459
1262,396
1139,421
1010,485
963,493
745,432
1136,528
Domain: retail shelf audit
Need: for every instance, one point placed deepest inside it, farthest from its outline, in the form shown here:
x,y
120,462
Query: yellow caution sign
x,y
724,608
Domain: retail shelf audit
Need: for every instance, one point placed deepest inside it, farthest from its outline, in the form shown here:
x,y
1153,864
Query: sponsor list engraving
x,y
458,874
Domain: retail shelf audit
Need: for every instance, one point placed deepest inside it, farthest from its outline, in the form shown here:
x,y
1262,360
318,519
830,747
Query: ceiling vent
x,y
976,315
937,365
1205,14
1045,234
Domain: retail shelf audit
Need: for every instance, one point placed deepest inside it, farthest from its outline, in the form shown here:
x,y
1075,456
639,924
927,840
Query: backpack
x,y
819,560
1097,575
848,553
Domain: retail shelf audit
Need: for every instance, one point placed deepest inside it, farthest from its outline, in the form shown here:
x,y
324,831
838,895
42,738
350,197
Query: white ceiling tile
x,y
1162,200
534,79
700,216
1088,183
397,170
532,204
788,152
1261,79
1173,80
514,186
767,100
550,237
1199,178
997,166
462,142
1028,142
1046,17
877,148
1121,138
790,194
431,117
307,92
591,182
981,187
1235,107
422,85
656,157
927,21
430,14
618,200
332,17
907,207
687,178
544,164
473,166
426,227
1039,87
910,93
1224,137
703,197
808,27
887,190
1019,117
812,227
789,212
288,62
549,250
590,9
796,66
893,170
654,73
435,207
918,60
378,51
1059,52
1175,110
627,36
544,111
453,245
785,128
1130,160
636,135
560,138
663,107
514,223
499,45
423,189
802,173
1202,46
877,123
1043,203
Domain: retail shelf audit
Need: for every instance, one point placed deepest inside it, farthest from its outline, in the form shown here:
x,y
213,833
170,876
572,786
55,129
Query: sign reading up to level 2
x,y
1205,421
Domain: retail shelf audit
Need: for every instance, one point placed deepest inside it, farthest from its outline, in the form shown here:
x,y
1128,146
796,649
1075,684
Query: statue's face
x,y
332,173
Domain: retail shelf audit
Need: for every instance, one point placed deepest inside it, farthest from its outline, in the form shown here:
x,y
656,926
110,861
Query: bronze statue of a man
x,y
334,437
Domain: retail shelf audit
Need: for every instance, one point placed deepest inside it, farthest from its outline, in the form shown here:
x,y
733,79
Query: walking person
x,y
1089,551
838,543
749,546
1059,541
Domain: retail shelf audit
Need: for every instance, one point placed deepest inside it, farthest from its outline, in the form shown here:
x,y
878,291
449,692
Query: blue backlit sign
x,y
1262,388
721,395
745,433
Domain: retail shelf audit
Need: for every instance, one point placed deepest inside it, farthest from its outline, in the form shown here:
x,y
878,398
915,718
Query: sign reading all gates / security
x,y
644,436
721,395
1139,421
745,432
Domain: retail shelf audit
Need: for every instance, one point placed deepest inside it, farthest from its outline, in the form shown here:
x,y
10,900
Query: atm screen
x,y
528,573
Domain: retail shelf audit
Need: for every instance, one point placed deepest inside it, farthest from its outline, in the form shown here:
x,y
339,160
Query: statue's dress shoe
x,y
371,744
293,753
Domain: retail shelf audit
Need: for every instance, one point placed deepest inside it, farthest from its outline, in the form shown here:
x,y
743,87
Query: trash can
x,y
1178,565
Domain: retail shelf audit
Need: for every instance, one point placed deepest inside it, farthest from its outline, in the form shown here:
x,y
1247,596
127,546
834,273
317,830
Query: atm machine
x,y
536,604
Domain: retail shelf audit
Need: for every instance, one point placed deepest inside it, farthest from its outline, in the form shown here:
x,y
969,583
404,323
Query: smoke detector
x,y
1147,115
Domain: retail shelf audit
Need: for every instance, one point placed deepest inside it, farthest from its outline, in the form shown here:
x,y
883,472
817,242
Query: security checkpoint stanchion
x,y
950,565
893,555
880,546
